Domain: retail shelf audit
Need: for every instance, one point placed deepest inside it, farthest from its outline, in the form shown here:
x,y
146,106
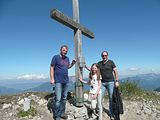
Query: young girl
x,y
95,88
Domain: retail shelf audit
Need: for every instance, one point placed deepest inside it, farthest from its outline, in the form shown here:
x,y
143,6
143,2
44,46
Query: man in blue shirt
x,y
59,76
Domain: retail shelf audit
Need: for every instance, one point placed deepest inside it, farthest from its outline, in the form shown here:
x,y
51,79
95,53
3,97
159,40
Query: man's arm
x,y
52,81
70,65
116,76
115,73
87,67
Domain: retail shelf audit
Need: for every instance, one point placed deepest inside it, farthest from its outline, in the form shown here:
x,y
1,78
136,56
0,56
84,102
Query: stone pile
x,y
133,109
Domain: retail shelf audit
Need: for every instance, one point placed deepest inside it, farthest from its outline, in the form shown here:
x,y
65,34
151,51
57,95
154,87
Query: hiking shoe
x,y
64,116
57,118
95,113
111,118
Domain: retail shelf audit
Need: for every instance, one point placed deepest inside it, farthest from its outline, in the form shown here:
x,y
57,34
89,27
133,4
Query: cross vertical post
x,y
78,55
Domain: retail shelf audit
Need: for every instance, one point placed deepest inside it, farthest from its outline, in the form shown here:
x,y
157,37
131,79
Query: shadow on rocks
x,y
71,98
89,111
51,101
106,111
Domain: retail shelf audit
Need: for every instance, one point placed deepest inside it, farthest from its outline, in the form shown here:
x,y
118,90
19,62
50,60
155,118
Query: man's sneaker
x,y
64,116
57,118
111,118
95,113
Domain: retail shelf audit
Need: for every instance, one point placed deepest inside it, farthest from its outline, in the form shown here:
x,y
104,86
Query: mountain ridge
x,y
146,81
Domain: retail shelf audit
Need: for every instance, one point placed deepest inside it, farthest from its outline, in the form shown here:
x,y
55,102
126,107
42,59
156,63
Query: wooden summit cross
x,y
78,31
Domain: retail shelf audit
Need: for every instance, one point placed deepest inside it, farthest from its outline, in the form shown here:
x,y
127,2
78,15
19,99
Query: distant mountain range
x,y
145,81
5,90
22,84
158,89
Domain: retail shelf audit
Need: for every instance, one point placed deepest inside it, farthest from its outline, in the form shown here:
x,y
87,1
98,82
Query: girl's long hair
x,y
98,72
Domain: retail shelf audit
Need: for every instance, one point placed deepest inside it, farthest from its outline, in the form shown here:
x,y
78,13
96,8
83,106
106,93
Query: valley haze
x,y
149,81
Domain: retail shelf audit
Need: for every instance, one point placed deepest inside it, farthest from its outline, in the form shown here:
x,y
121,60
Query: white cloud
x,y
134,69
130,71
137,70
32,77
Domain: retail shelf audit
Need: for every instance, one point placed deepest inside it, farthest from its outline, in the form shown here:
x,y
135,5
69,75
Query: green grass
x,y
31,112
131,89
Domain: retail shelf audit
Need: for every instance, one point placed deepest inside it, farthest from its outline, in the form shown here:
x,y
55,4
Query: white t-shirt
x,y
94,85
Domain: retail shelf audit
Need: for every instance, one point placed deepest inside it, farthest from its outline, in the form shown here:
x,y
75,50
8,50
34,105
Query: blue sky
x,y
128,29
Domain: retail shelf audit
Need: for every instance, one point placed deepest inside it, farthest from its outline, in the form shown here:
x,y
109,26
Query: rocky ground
x,y
134,109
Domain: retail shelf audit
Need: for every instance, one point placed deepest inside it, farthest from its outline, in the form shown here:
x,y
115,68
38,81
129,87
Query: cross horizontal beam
x,y
60,17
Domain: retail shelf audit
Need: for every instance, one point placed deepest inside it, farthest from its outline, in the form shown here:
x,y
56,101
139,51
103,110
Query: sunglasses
x,y
104,55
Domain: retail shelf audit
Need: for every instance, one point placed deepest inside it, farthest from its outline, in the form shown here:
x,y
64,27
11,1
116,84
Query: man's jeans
x,y
109,87
61,90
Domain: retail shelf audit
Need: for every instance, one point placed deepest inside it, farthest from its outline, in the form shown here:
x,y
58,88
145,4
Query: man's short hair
x,y
104,52
64,46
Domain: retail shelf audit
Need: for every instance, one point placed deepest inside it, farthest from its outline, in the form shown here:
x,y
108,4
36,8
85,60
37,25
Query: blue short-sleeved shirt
x,y
60,68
